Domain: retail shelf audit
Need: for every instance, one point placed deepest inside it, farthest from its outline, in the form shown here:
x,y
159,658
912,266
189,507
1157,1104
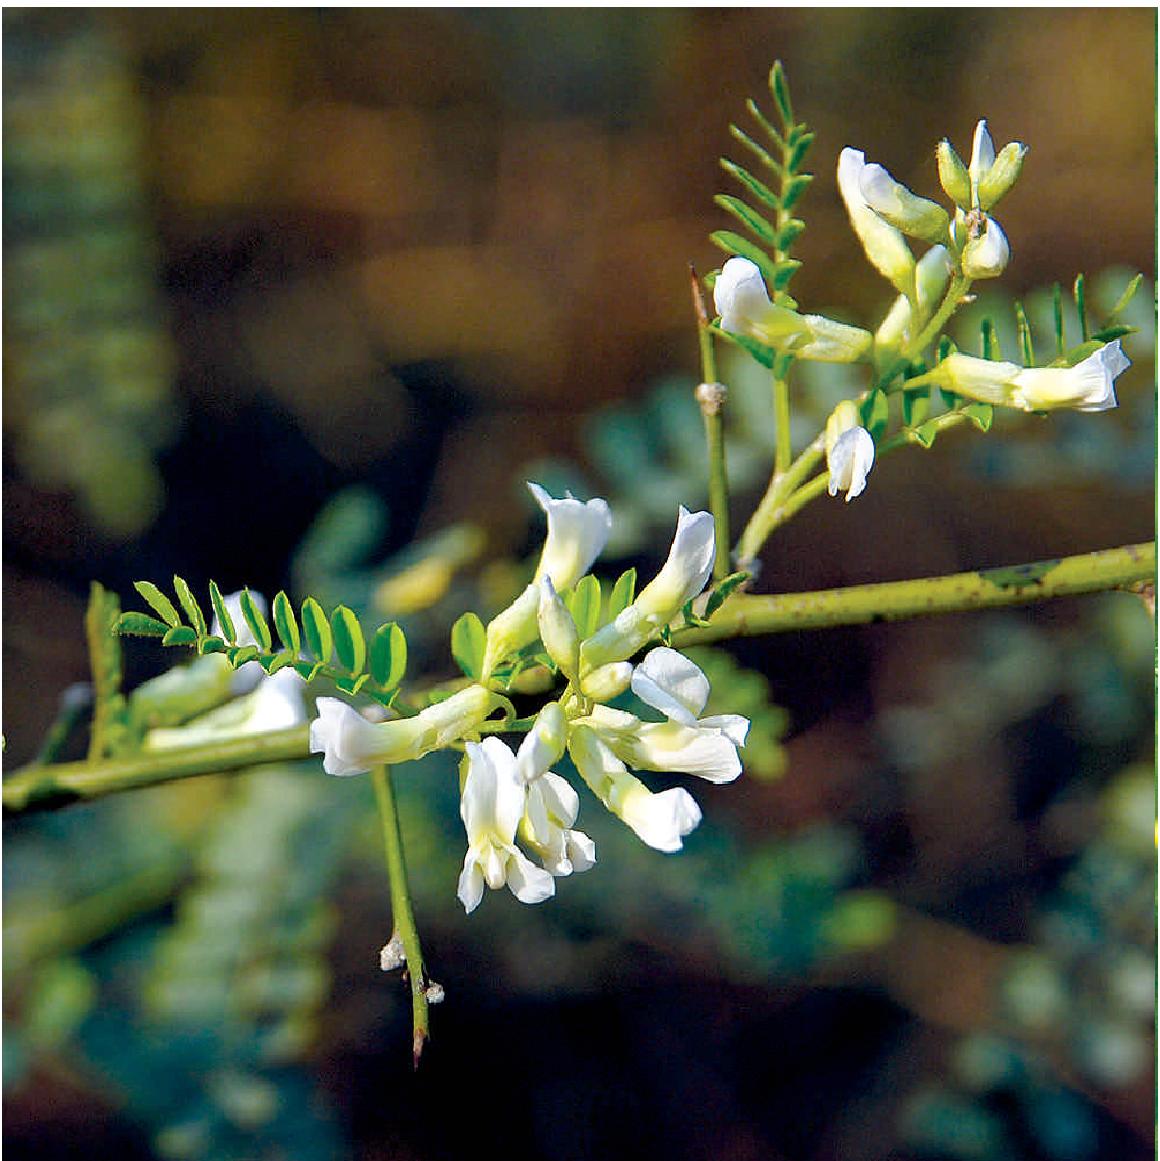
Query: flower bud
x,y
889,199
1002,175
544,743
953,175
986,254
982,155
884,245
558,630
607,682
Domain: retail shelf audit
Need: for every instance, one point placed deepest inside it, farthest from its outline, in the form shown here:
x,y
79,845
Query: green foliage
x,y
337,643
789,142
468,643
110,733
584,603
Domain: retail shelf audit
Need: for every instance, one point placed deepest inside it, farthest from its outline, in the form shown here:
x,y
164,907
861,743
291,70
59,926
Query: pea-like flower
x,y
849,451
352,745
744,305
883,243
683,576
684,744
660,820
577,533
492,804
889,199
1088,386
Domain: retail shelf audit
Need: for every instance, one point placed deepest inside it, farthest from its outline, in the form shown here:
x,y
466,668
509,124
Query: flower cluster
x,y
514,806
967,243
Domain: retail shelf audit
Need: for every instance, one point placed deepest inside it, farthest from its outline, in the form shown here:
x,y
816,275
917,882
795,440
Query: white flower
x,y
883,243
986,253
683,576
1088,386
890,199
577,534
661,820
352,745
544,743
849,450
850,461
552,806
745,308
685,744
491,806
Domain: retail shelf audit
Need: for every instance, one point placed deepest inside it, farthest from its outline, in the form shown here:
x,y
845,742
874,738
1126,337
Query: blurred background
x,y
298,300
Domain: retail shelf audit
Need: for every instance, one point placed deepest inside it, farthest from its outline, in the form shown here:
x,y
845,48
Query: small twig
x,y
405,932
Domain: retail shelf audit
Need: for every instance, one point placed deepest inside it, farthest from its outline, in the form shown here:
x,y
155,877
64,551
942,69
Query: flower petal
x,y
527,882
668,681
577,534
675,749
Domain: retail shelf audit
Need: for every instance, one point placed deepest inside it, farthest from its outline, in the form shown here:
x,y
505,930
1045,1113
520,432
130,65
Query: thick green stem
x,y
783,449
402,915
753,616
46,787
42,787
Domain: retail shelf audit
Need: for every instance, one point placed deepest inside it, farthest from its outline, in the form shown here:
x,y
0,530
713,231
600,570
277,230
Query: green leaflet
x,y
316,629
193,613
468,642
584,604
286,624
222,613
158,602
257,622
349,643
388,655
622,595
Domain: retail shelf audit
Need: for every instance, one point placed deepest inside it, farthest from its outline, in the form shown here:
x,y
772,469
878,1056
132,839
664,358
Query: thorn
x,y
698,297
417,1046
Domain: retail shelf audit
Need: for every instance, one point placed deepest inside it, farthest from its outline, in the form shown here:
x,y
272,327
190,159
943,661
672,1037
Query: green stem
x,y
402,914
744,615
711,397
783,449
42,787
769,513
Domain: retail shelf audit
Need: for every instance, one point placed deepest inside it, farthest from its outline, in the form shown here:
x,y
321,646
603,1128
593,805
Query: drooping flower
x,y
849,451
661,820
1088,386
352,745
683,576
883,243
491,806
744,305
547,827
